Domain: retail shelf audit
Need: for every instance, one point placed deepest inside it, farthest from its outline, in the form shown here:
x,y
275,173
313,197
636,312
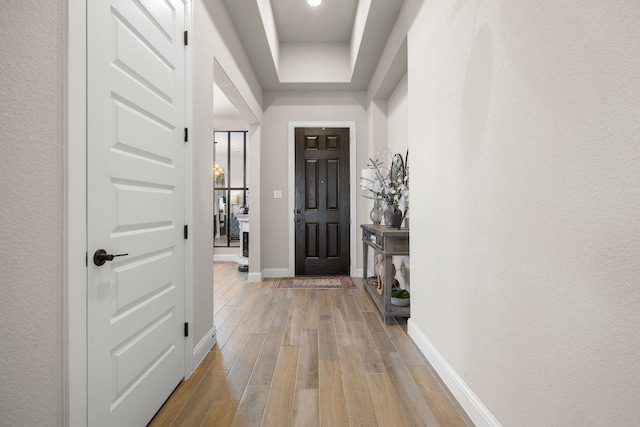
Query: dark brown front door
x,y
322,201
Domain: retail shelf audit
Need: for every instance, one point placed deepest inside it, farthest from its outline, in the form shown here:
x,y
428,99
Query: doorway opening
x,y
351,126
322,211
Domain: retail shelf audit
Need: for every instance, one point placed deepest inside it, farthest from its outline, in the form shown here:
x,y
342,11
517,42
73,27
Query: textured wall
x,y
398,118
524,121
31,213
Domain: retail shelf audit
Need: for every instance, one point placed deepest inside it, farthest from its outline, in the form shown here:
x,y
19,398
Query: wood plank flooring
x,y
306,357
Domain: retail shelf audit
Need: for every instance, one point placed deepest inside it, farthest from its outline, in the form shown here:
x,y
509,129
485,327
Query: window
x,y
230,189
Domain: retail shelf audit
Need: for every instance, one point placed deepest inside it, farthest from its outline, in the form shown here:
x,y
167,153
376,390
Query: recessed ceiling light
x,y
314,2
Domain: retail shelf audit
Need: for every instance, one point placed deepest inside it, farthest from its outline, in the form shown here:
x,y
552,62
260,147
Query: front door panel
x,y
322,201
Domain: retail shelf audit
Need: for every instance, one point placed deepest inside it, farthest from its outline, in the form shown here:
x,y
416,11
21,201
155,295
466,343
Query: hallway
x,y
306,357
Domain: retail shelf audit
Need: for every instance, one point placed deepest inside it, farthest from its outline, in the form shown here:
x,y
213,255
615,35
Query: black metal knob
x,y
101,256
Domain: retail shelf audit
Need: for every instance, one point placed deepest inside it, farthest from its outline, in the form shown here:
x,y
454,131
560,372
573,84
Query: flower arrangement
x,y
388,185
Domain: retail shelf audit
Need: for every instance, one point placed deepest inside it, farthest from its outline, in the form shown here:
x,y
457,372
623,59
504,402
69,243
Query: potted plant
x,y
400,297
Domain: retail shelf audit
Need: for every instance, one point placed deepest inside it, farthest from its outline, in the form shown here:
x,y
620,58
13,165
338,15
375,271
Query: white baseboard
x,y
254,277
358,272
275,272
225,257
475,409
200,351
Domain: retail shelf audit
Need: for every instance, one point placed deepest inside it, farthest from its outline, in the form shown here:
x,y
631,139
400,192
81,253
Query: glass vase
x,y
377,212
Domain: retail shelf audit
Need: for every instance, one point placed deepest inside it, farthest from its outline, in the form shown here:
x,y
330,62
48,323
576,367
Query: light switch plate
x,y
277,194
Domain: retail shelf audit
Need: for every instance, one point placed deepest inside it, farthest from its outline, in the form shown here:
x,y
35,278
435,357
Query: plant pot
x,y
400,302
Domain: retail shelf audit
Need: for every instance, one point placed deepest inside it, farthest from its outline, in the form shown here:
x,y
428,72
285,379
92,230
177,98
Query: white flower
x,y
386,184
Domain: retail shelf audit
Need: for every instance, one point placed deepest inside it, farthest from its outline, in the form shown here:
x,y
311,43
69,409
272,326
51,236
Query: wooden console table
x,y
389,242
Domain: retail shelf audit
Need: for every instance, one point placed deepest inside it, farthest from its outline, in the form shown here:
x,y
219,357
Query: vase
x,y
377,212
392,216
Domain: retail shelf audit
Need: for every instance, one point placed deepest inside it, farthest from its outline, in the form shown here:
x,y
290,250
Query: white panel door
x,y
135,197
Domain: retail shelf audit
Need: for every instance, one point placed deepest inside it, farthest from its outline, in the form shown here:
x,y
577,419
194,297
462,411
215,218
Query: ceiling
x,y
330,22
294,46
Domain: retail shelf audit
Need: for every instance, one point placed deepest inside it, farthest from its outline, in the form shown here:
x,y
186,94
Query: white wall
x,y
280,109
398,118
225,124
31,213
202,180
215,39
398,128
523,119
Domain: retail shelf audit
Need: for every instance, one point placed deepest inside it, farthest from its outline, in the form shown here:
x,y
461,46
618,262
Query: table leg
x,y
365,260
388,281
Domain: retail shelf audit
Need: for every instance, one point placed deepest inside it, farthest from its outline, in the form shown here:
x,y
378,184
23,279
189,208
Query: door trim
x,y
75,215
352,185
75,270
190,357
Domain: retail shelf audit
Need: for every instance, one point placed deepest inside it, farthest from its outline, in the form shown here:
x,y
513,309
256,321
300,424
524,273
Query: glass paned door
x,y
230,186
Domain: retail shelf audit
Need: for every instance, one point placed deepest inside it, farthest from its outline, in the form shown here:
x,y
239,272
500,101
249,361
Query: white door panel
x,y
135,197
143,136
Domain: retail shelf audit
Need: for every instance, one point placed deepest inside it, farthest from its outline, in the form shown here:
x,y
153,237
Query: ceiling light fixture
x,y
314,2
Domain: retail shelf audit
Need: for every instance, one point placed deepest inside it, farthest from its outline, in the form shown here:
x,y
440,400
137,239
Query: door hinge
x,y
186,38
186,329
186,232
186,134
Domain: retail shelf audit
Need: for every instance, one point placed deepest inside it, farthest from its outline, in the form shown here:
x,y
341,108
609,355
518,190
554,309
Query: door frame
x,y
352,185
75,251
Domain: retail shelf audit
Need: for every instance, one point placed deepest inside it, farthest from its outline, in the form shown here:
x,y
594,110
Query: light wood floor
x,y
306,358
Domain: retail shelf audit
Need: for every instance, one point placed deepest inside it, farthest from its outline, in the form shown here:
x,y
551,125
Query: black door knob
x,y
101,256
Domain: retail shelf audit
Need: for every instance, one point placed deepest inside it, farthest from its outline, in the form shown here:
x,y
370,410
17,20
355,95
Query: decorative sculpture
x,y
379,267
